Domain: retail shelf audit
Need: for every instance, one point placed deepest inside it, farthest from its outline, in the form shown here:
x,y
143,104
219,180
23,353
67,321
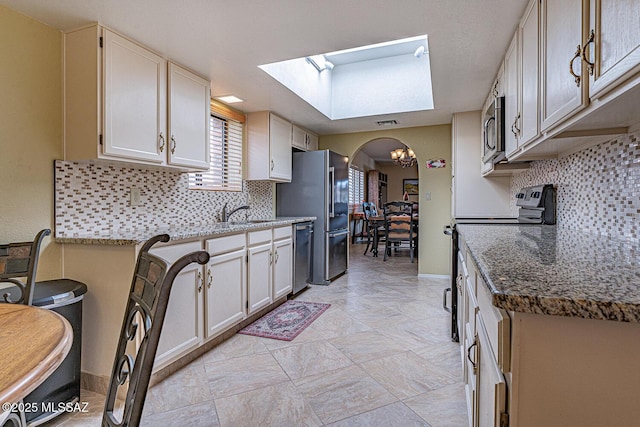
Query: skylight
x,y
384,78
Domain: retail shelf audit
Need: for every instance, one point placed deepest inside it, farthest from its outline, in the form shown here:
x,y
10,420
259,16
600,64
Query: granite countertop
x,y
552,270
126,237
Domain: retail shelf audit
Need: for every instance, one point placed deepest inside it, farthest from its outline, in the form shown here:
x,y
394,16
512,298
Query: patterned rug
x,y
286,321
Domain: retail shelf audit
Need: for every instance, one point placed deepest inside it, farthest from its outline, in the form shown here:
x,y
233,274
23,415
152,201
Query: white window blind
x,y
225,157
356,188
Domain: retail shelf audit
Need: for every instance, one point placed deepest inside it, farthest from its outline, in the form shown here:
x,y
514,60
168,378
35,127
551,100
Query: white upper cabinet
x,y
117,100
529,88
511,98
134,100
614,48
304,140
188,124
562,86
269,147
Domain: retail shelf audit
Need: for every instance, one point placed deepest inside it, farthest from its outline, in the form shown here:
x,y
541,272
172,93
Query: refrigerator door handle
x,y
332,192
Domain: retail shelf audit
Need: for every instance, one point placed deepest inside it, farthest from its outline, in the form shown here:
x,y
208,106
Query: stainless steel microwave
x,y
493,132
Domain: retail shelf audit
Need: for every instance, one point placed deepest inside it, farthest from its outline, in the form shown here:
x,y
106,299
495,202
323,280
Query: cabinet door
x,y
282,268
615,50
511,100
561,44
188,130
491,386
529,60
259,276
225,291
312,141
299,138
182,330
280,148
134,101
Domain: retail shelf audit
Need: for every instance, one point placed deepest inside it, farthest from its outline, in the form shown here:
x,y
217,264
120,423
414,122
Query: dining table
x,y
33,343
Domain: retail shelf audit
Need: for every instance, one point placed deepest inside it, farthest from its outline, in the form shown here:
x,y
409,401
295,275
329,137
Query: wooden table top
x,y
33,343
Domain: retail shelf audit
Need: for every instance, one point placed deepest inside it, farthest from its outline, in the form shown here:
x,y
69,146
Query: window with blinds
x,y
356,188
225,157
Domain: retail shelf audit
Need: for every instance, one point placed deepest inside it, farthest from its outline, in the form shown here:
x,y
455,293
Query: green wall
x,y
30,132
428,142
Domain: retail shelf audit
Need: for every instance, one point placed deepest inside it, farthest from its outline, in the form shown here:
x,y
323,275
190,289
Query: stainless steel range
x,y
537,204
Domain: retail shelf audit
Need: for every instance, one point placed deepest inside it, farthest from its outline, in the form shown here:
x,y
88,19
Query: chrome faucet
x,y
225,215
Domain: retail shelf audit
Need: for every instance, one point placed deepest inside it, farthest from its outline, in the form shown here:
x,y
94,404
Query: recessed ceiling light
x,y
229,99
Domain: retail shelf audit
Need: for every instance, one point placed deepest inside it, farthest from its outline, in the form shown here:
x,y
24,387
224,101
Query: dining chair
x,y
146,308
400,227
374,229
18,265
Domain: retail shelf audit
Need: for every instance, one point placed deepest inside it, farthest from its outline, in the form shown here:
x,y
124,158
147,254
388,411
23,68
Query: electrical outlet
x,y
134,197
427,196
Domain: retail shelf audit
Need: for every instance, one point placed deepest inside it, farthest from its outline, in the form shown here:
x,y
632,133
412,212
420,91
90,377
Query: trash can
x,y
64,296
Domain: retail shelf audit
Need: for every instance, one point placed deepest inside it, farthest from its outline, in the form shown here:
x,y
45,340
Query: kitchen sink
x,y
252,221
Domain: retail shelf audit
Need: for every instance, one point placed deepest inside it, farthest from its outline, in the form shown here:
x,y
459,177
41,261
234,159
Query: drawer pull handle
x,y
577,55
590,65
210,282
444,300
173,144
473,363
200,282
161,137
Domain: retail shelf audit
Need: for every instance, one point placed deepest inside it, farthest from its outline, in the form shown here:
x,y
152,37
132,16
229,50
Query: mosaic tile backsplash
x,y
598,189
93,199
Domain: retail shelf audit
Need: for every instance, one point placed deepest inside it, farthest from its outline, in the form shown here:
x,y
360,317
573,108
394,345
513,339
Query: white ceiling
x,y
227,40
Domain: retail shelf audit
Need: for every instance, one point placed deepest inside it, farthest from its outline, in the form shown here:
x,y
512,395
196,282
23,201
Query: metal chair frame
x,y
148,300
20,260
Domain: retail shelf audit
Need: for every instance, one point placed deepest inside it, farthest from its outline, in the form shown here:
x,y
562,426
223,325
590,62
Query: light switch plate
x,y
134,197
427,196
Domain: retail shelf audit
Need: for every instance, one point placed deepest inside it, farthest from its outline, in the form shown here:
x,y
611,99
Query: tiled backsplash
x,y
598,189
93,198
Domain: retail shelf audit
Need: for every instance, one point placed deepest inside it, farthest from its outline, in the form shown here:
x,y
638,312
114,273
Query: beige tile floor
x,y
380,356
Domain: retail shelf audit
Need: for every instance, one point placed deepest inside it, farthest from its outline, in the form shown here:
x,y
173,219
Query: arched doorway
x,y
381,179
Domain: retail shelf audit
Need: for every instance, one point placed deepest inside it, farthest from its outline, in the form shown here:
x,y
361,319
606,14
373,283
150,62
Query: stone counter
x,y
127,237
558,271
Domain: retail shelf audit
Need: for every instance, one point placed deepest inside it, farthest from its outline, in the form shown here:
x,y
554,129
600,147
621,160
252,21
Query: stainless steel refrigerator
x,y
320,187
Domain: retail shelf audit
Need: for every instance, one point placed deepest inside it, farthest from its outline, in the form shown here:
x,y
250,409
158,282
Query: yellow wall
x,y
30,132
428,142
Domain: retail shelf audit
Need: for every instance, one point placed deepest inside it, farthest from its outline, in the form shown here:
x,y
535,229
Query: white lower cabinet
x,y
225,292
282,262
183,328
260,261
485,343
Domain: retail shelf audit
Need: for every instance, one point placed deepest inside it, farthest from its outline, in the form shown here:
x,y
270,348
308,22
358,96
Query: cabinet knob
x,y
161,139
173,144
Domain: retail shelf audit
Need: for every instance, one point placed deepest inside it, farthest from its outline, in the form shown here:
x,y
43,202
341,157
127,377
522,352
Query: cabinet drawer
x,y
170,253
498,327
221,245
257,237
282,232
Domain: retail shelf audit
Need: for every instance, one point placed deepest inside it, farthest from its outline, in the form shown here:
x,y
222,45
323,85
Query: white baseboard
x,y
434,276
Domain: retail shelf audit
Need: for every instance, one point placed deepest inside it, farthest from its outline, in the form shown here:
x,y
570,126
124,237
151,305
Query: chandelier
x,y
404,157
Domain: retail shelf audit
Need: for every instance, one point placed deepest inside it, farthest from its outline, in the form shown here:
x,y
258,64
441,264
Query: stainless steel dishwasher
x,y
303,245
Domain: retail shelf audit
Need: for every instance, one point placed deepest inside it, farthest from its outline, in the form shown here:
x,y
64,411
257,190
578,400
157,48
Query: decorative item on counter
x,y
436,163
405,196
